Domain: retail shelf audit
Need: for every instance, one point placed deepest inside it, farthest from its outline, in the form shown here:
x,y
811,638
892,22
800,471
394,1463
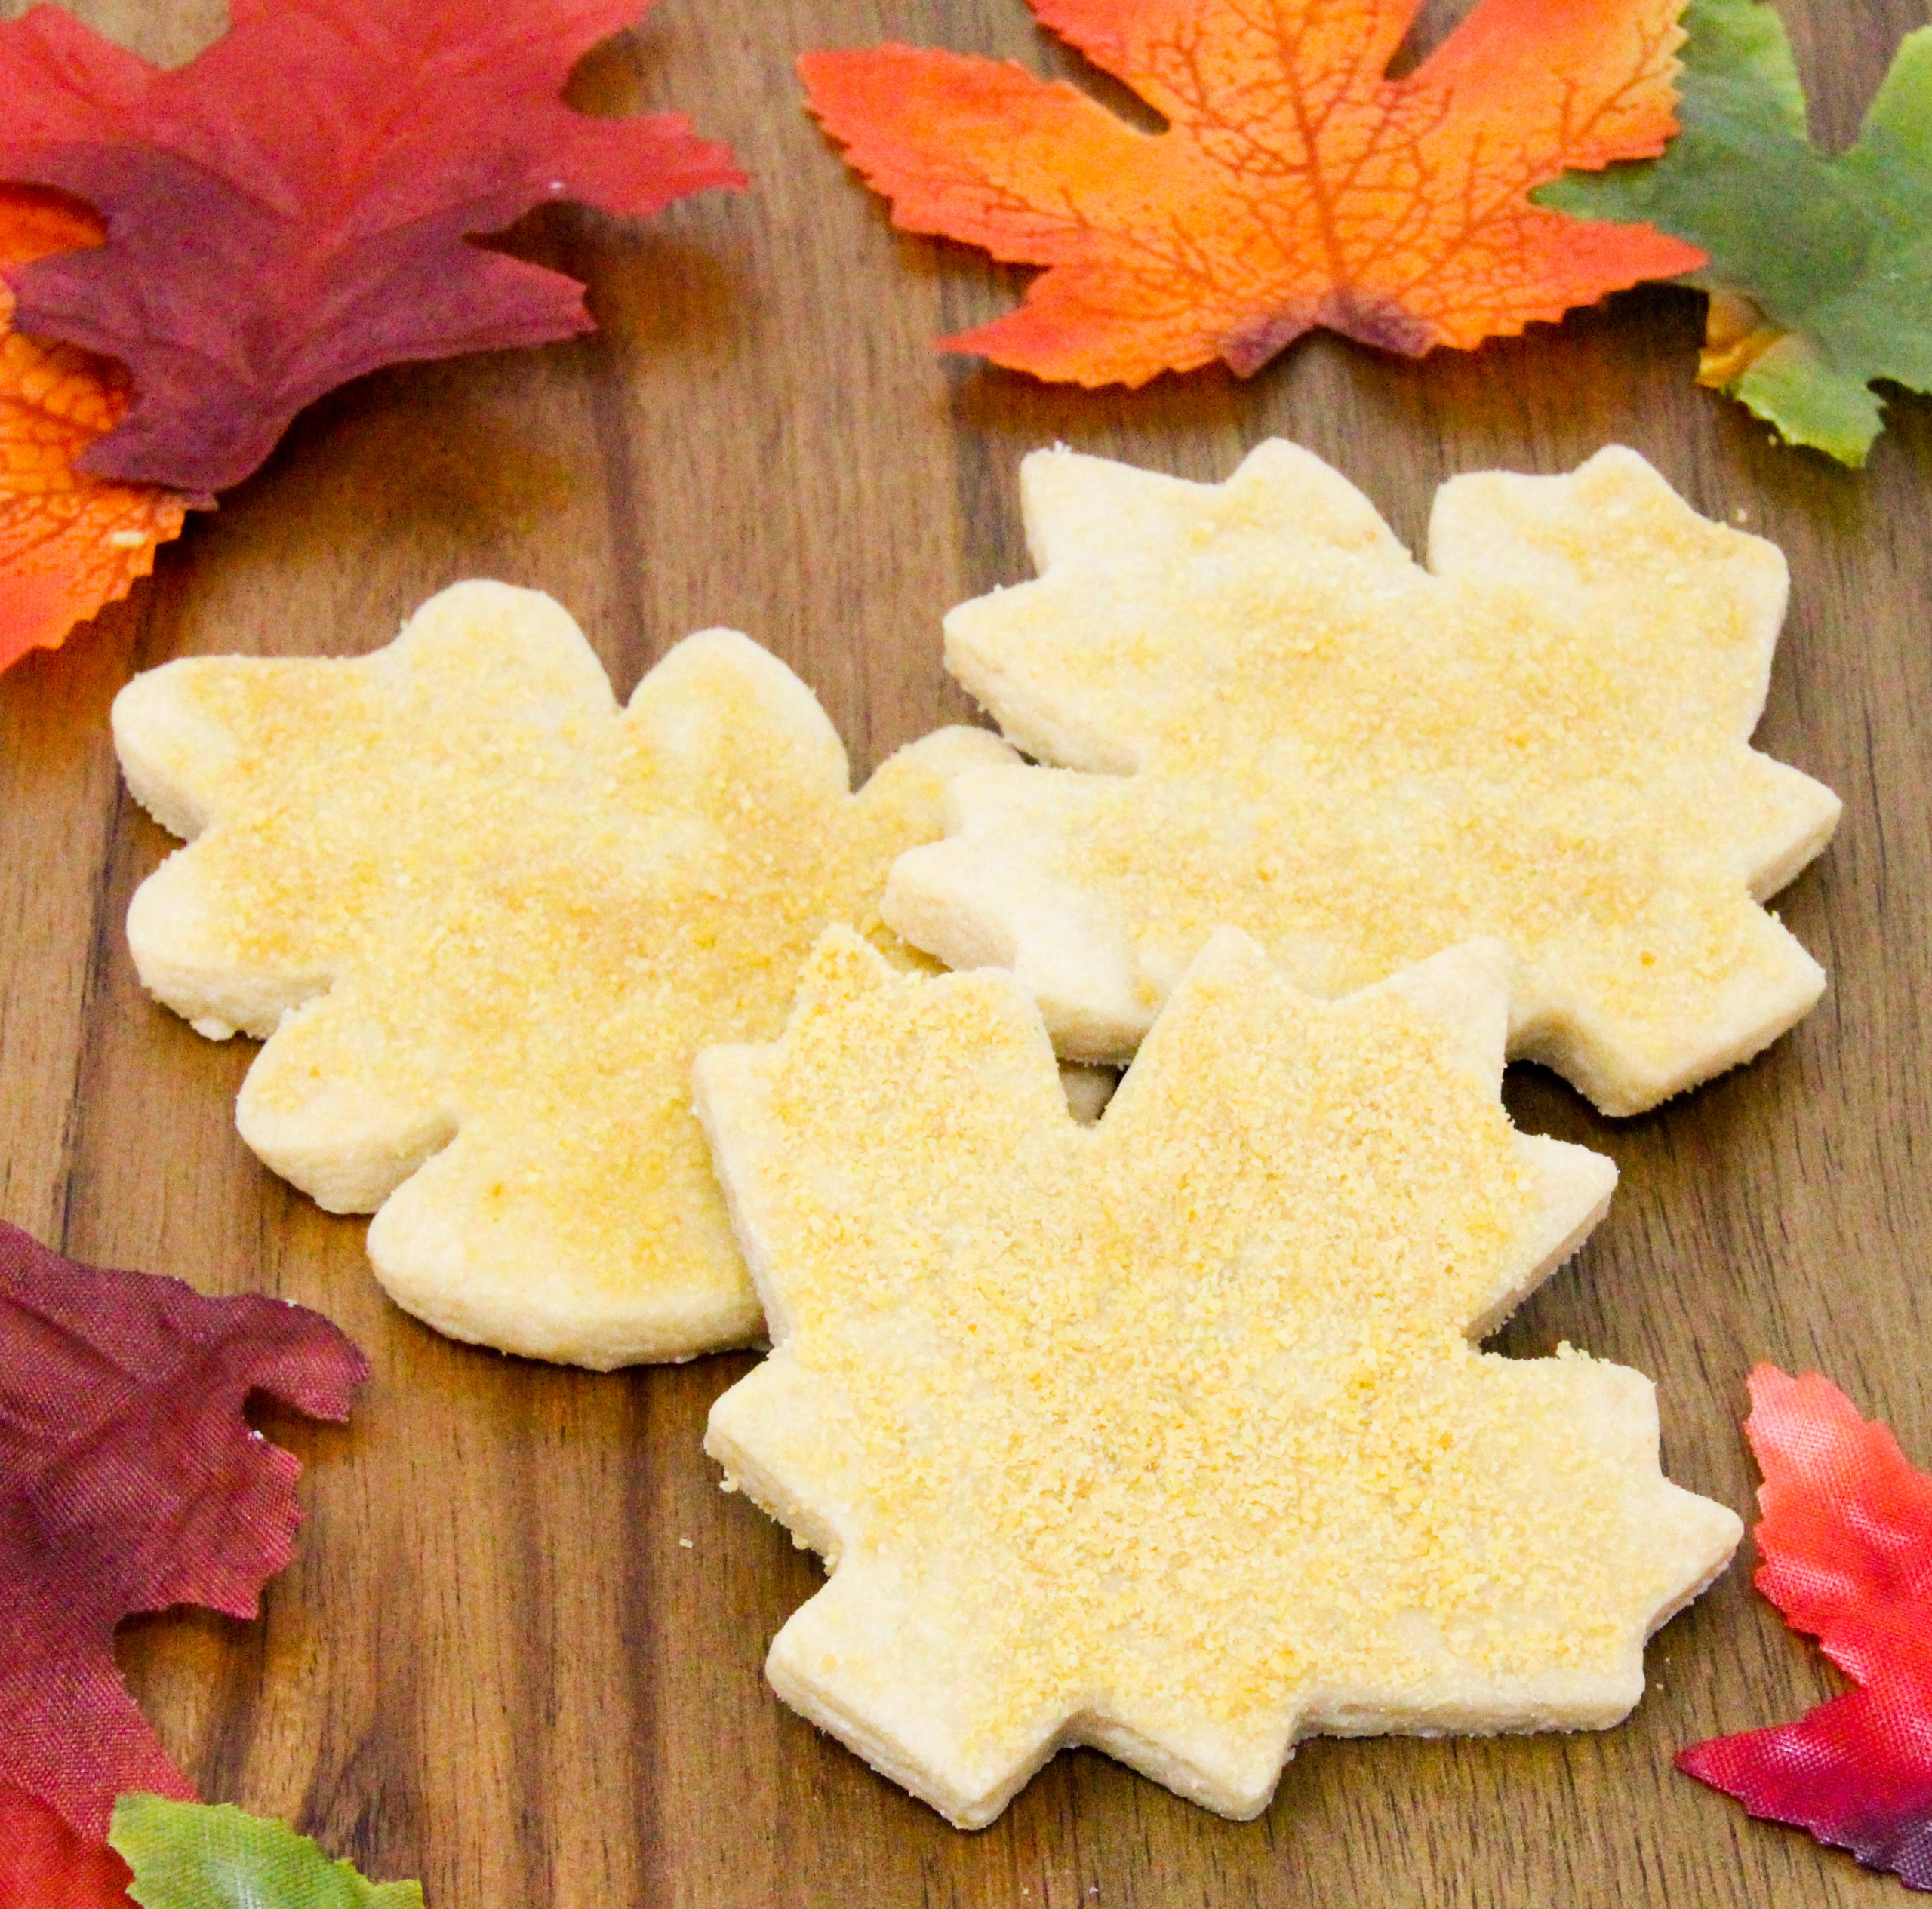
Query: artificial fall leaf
x,y
188,1855
1293,186
1168,1434
1845,1549
1820,276
293,207
46,1864
130,1481
68,542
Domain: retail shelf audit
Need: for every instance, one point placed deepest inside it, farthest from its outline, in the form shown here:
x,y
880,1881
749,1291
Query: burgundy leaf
x,y
292,208
130,1481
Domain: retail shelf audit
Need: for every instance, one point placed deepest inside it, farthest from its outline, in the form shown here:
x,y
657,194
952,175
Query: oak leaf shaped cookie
x,y
1266,714
485,918
1167,1434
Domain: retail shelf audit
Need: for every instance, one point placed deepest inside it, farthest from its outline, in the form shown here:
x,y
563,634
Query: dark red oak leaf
x,y
130,1481
292,208
1845,1547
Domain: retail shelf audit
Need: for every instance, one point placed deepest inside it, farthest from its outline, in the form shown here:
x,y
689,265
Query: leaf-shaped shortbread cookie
x,y
1289,726
486,918
1167,1434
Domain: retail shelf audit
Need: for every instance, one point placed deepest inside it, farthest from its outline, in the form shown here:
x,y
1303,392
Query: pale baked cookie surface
x,y
1262,712
1167,1434
484,918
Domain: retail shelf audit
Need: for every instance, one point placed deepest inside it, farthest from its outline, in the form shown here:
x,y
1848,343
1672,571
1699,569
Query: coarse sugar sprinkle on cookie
x,y
485,917
1250,706
1168,1434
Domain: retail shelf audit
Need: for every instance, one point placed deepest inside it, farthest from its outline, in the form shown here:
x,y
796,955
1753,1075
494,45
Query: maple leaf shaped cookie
x,y
485,918
1286,724
1166,1435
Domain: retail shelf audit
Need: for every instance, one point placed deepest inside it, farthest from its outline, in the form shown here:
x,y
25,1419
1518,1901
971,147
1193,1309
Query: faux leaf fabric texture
x,y
1295,185
130,1481
1819,272
188,1855
46,1864
293,207
68,542
1845,1546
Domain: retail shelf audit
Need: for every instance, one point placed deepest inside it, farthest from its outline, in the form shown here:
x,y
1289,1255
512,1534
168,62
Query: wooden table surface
x,y
496,1663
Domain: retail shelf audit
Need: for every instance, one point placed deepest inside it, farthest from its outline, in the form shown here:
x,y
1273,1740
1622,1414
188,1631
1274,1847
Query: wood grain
x,y
495,1663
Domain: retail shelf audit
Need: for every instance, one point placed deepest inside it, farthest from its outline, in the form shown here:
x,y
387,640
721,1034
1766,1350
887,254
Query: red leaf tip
x,y
1845,1543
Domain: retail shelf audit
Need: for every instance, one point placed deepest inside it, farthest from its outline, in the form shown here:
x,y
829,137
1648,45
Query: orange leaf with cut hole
x,y
68,542
1295,185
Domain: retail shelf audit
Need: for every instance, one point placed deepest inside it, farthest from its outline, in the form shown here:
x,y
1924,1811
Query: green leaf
x,y
1834,256
193,1856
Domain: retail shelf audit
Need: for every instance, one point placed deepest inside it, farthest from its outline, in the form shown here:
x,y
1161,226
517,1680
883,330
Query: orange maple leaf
x,y
1294,185
68,542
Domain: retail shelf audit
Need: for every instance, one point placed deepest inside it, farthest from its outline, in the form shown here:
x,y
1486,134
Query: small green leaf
x,y
1810,401
193,1855
1833,255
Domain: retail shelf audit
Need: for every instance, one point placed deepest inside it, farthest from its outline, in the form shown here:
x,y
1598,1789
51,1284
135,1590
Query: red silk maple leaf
x,y
45,1864
1295,185
130,1481
292,208
1846,1550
